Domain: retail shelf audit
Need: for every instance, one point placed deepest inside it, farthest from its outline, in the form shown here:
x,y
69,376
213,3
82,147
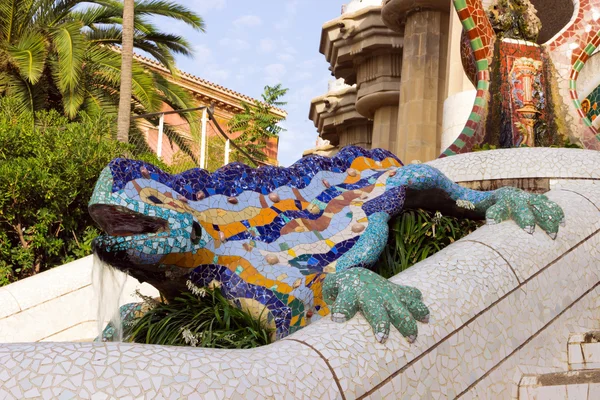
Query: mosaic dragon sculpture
x,y
295,241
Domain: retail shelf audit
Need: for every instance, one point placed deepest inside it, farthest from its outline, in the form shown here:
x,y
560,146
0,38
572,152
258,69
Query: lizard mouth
x,y
121,221
126,226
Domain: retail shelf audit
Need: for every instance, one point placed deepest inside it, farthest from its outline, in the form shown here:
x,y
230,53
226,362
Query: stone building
x,y
407,90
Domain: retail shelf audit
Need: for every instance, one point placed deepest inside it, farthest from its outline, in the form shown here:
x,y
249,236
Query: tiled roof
x,y
201,81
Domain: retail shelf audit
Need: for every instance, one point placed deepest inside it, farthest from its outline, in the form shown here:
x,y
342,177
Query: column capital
x,y
353,37
335,111
394,12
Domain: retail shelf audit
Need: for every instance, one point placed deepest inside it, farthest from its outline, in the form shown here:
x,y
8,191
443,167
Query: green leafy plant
x,y
65,55
48,169
201,319
258,123
568,144
418,234
484,147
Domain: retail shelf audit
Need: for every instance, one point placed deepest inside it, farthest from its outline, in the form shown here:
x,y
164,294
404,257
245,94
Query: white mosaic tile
x,y
521,163
181,372
581,220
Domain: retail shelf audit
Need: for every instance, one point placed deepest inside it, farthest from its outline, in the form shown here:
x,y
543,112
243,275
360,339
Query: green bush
x,y
416,235
48,168
200,319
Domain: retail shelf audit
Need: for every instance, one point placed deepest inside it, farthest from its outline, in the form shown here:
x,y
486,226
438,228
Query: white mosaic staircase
x,y
503,306
580,382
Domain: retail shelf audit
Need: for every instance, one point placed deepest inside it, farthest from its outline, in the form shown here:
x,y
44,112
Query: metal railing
x,y
207,115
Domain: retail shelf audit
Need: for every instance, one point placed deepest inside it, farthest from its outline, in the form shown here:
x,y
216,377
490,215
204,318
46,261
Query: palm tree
x,y
124,117
258,123
56,54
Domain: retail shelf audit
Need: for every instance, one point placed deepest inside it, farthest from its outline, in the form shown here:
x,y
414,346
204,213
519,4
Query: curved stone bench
x,y
503,303
57,305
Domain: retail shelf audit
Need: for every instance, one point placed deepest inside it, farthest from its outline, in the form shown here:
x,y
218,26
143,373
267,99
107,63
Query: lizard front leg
x,y
526,209
353,288
381,302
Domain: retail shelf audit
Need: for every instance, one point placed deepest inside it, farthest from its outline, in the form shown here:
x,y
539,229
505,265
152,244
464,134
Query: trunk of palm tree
x,y
124,117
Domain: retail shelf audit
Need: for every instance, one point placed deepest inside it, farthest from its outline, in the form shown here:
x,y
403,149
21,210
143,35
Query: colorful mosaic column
x,y
481,36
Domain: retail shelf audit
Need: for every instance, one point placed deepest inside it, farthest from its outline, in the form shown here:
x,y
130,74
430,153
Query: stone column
x,y
336,119
422,88
378,80
363,51
423,80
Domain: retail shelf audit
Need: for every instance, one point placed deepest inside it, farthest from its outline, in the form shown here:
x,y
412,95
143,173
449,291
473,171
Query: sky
x,y
250,44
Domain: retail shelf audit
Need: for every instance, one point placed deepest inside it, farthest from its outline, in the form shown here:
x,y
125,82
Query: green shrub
x,y
204,319
48,168
416,235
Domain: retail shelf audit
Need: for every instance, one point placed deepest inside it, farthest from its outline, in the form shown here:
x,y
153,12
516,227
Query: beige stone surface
x,y
363,51
423,88
337,120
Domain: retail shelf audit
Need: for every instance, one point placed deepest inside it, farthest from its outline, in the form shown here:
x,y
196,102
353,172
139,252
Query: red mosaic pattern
x,y
568,48
468,58
477,26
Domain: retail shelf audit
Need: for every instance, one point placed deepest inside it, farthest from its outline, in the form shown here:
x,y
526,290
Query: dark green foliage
x,y
258,124
484,147
47,174
568,144
206,321
416,235
63,55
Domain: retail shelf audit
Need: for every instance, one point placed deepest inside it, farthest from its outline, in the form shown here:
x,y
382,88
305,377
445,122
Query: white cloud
x,y
205,6
233,44
291,8
274,73
247,21
285,57
203,53
267,45
216,74
301,76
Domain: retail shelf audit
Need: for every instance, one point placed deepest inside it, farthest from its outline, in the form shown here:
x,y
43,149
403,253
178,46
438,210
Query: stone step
x,y
584,351
571,385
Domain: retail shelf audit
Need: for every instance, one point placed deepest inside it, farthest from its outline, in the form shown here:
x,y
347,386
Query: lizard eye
x,y
154,199
196,233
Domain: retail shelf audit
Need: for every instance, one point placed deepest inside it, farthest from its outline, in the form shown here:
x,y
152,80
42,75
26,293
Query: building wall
x,y
226,103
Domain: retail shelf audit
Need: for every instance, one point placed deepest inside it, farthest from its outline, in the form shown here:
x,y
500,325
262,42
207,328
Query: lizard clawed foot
x,y
527,210
381,302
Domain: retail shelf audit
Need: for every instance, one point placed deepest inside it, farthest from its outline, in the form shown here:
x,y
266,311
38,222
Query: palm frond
x,y
28,55
107,65
171,42
178,98
28,98
100,101
14,16
55,12
106,35
171,10
93,16
161,54
71,47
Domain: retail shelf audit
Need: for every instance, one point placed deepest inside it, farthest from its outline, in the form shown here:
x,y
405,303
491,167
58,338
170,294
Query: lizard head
x,y
150,228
